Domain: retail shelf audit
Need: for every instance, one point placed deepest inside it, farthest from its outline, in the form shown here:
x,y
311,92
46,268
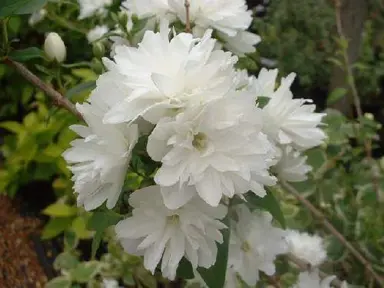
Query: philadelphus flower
x,y
96,33
54,47
312,280
254,244
149,8
163,75
292,165
264,85
99,160
290,121
156,232
230,18
92,7
309,248
215,150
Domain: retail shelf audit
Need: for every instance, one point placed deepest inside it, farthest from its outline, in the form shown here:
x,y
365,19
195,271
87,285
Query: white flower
x,y
149,8
161,75
100,160
89,8
230,18
309,248
254,244
217,148
290,121
291,165
54,47
156,232
312,280
37,16
264,84
96,33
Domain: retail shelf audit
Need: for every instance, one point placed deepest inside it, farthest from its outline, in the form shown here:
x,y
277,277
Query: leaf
x,y
98,222
66,261
268,203
90,85
60,210
12,126
185,270
26,54
59,282
85,271
214,277
86,74
18,7
55,226
316,158
79,226
336,95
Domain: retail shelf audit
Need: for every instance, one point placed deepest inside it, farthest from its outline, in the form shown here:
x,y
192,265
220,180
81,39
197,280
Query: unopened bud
x,y
369,116
55,48
97,66
98,49
123,18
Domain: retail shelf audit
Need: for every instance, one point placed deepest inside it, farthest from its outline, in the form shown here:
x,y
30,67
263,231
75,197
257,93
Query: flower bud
x,y
123,18
54,47
97,66
98,49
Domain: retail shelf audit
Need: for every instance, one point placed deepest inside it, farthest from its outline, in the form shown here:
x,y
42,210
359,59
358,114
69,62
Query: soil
x,y
19,262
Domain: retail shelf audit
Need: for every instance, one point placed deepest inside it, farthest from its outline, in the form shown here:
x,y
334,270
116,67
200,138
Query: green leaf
x,y
59,282
185,270
60,210
85,271
26,54
98,222
336,95
55,226
79,226
268,203
65,261
90,85
214,277
18,7
12,126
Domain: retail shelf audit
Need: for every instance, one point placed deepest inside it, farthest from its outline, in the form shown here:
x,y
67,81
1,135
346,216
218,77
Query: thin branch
x,y
318,214
187,17
58,99
356,98
304,266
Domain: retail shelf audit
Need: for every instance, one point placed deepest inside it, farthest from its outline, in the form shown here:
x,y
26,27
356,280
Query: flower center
x,y
199,141
245,247
174,219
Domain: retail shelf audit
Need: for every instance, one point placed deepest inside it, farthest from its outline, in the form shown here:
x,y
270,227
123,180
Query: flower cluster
x,y
229,18
210,135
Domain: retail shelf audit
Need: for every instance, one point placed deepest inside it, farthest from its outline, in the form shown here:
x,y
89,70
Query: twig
x,y
304,266
187,17
356,98
274,281
318,214
58,99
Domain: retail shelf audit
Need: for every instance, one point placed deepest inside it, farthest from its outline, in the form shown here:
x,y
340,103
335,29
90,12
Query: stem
x,y
187,17
5,35
304,266
318,214
356,99
58,99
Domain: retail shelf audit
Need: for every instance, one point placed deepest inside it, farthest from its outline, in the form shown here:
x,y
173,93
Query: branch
x,y
356,98
58,99
318,214
187,17
304,266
